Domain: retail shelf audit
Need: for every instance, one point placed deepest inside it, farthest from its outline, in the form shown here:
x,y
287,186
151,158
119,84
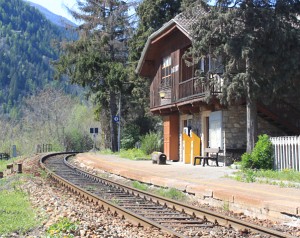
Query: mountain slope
x,y
52,17
27,42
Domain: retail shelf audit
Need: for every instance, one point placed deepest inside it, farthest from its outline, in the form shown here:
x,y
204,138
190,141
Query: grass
x,y
171,193
3,163
284,175
16,213
284,178
134,154
226,206
62,228
43,173
106,152
140,186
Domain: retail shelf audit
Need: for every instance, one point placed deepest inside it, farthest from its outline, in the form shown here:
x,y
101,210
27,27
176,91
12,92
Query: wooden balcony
x,y
192,88
183,91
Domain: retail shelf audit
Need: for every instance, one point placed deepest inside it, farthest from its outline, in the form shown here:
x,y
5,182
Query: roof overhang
x,y
165,30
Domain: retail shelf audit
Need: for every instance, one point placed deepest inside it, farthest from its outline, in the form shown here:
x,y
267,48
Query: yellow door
x,y
191,147
187,142
195,147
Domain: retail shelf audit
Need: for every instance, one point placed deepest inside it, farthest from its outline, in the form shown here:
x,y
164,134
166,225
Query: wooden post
x,y
19,170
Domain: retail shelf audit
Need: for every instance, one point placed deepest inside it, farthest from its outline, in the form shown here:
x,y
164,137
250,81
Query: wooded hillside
x,y
26,48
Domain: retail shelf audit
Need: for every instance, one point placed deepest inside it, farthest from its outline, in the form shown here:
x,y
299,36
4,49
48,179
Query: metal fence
x,y
287,152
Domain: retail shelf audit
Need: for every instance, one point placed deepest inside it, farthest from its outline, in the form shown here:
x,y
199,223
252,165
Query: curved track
x,y
142,208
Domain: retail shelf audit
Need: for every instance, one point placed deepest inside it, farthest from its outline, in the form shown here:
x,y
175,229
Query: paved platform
x,y
209,184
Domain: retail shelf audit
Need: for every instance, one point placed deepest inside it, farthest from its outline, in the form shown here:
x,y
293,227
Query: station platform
x,y
209,184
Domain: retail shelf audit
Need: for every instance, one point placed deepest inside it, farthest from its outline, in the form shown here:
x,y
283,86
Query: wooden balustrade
x,y
187,89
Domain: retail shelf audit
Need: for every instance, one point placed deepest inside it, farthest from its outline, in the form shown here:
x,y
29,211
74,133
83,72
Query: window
x,y
202,65
215,65
166,73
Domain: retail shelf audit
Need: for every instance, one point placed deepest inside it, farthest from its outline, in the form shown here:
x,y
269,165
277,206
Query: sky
x,y
58,6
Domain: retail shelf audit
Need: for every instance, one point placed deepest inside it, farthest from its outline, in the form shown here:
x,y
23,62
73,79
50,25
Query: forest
x,y
27,46
40,103
29,96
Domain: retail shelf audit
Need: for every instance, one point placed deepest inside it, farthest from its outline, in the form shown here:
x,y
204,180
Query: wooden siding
x,y
170,45
184,85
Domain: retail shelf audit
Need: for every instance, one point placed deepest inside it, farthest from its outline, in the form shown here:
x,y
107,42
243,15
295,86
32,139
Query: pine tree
x,y
258,43
97,59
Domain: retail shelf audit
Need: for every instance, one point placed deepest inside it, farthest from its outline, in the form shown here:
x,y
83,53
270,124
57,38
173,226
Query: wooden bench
x,y
211,154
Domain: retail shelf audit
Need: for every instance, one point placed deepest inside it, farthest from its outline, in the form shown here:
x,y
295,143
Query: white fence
x,y
287,152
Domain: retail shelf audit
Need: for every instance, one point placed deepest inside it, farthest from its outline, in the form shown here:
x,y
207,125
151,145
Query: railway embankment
x,y
209,184
55,202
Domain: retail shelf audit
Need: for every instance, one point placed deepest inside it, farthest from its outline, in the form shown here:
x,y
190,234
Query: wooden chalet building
x,y
189,121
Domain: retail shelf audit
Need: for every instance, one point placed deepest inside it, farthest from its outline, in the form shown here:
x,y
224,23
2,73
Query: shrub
x,y
246,161
262,155
76,141
130,136
151,142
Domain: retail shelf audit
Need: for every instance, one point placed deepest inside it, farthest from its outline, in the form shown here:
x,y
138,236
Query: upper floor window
x,y
215,65
166,72
211,64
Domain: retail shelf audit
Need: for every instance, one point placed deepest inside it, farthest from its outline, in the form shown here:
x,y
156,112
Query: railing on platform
x,y
286,152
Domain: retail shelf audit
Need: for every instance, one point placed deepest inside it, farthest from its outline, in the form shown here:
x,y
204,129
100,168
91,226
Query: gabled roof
x,y
180,22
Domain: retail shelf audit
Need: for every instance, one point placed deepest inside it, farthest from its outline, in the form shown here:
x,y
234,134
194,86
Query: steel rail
x,y
106,205
139,220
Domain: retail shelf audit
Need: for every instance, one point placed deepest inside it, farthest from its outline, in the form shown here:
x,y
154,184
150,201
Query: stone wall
x,y
235,127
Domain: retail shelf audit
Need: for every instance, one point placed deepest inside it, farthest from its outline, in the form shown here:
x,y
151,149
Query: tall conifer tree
x,y
97,59
259,44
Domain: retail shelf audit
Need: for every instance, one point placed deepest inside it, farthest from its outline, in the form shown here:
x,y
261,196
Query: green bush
x,y
77,141
151,142
262,155
130,136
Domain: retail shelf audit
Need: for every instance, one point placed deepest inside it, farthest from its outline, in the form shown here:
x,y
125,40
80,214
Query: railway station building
x,y
190,123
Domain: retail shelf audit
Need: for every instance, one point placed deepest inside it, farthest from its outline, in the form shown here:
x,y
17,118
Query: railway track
x,y
142,208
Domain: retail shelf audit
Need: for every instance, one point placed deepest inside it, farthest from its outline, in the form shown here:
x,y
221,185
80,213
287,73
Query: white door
x,y
215,130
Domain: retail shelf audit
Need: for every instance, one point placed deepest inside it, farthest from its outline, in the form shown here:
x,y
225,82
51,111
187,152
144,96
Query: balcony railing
x,y
190,88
